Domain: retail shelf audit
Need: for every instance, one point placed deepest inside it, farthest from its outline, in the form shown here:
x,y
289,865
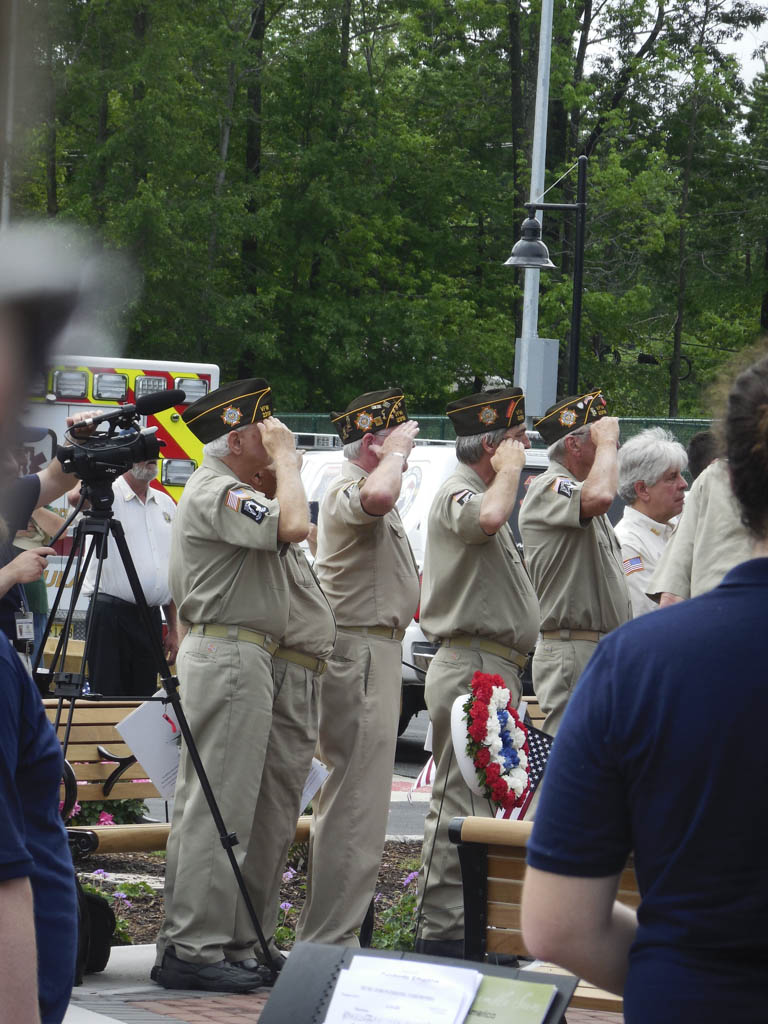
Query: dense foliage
x,y
324,192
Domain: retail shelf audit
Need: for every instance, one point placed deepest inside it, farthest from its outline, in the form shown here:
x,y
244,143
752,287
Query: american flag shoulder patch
x,y
633,565
462,497
236,496
241,500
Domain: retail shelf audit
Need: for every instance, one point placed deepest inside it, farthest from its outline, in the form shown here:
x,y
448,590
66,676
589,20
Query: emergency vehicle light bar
x,y
176,472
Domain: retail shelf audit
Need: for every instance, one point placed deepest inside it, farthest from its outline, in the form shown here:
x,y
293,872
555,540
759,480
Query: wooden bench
x,y
492,856
102,767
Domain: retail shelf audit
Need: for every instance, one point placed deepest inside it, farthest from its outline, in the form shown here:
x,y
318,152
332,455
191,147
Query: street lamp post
x,y
531,252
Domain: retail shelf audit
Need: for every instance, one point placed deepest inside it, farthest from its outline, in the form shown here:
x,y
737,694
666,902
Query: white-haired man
x,y
121,656
651,483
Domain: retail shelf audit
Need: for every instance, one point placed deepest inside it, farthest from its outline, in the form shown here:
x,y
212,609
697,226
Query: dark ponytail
x,y
746,438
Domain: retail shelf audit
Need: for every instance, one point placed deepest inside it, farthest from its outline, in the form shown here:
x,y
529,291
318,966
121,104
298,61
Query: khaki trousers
x,y
290,750
227,696
440,890
556,667
359,708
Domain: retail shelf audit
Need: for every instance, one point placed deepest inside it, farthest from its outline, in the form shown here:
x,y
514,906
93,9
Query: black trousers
x,y
120,661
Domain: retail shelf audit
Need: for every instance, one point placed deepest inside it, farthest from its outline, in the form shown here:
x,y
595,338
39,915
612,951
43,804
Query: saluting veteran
x,y
366,568
299,664
230,587
480,605
571,550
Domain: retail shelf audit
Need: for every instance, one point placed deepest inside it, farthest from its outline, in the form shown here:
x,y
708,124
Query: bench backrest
x,y
93,727
492,855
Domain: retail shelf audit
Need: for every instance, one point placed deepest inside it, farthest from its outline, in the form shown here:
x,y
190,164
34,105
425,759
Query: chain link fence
x,y
440,428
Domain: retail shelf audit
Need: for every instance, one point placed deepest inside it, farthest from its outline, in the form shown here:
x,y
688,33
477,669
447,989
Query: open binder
x,y
306,982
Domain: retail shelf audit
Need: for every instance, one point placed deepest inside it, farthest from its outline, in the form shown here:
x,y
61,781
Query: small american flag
x,y
425,778
633,565
539,746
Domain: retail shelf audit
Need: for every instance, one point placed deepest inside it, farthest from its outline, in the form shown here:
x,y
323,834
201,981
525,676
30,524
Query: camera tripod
x,y
99,524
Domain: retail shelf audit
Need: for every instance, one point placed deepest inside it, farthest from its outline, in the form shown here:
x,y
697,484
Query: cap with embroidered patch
x,y
571,413
497,409
370,413
231,406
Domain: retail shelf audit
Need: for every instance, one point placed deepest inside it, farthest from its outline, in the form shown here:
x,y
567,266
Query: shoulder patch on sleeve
x,y
562,485
240,500
633,565
462,497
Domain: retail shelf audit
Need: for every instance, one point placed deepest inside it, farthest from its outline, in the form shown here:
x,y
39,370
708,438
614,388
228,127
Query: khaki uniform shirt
x,y
311,626
224,564
643,542
364,563
575,564
709,541
474,583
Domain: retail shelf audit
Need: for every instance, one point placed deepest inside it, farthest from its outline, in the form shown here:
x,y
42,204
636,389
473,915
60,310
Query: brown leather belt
x,y
315,665
572,634
490,646
238,633
385,631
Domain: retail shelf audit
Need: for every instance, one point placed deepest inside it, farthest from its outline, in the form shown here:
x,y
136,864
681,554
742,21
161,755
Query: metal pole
x,y
529,328
5,199
574,341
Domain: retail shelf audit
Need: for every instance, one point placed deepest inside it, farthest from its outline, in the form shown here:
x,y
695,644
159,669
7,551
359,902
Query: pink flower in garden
x,y
105,818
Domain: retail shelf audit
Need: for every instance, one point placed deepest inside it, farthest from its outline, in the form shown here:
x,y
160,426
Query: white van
x,y
429,464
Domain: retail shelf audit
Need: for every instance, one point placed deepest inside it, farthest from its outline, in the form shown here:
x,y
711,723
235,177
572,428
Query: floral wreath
x,y
497,741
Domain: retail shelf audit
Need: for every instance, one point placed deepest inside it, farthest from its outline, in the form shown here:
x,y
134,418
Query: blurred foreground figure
x,y
41,291
648,761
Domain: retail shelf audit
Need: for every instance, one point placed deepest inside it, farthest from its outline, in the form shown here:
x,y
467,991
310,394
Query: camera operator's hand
x,y
87,428
25,568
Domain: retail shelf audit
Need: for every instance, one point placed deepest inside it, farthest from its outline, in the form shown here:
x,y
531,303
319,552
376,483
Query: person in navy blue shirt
x,y
653,759
35,863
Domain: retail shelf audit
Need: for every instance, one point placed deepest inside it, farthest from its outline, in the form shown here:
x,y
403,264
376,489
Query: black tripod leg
x,y
228,839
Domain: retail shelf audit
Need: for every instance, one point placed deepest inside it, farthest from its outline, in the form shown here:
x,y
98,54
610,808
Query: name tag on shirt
x,y
25,626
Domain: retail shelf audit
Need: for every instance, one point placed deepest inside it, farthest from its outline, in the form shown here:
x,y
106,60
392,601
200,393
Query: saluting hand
x,y
279,443
605,431
400,440
509,455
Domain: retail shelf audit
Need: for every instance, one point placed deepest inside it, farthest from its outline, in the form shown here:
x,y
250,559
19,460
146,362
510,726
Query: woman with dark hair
x,y
651,760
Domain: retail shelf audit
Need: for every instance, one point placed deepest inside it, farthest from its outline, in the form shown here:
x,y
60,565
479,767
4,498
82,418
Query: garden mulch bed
x,y
145,914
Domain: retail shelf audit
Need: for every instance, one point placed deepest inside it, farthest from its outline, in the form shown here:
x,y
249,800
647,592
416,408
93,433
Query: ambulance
x,y
75,383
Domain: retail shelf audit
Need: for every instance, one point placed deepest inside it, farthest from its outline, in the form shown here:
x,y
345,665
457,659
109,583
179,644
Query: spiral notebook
x,y
307,981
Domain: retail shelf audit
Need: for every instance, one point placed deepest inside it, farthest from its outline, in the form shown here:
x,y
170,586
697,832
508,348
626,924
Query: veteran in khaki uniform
x,y
298,666
231,589
709,541
571,551
480,605
367,570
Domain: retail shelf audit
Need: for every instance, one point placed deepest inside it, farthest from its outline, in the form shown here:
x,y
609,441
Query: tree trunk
x,y
682,257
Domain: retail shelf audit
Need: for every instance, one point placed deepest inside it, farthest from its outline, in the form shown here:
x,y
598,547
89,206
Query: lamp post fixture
x,y
531,252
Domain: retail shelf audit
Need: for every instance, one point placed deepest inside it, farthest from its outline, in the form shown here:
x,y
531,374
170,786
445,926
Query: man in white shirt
x,y
121,662
651,483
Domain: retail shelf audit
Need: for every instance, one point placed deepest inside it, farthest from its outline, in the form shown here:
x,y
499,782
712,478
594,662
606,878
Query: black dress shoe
x,y
253,967
441,947
269,977
219,977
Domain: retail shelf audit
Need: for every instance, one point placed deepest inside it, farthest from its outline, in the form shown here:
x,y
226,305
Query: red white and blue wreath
x,y
491,742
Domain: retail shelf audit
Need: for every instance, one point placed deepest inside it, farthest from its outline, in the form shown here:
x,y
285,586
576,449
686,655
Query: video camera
x,y
100,458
